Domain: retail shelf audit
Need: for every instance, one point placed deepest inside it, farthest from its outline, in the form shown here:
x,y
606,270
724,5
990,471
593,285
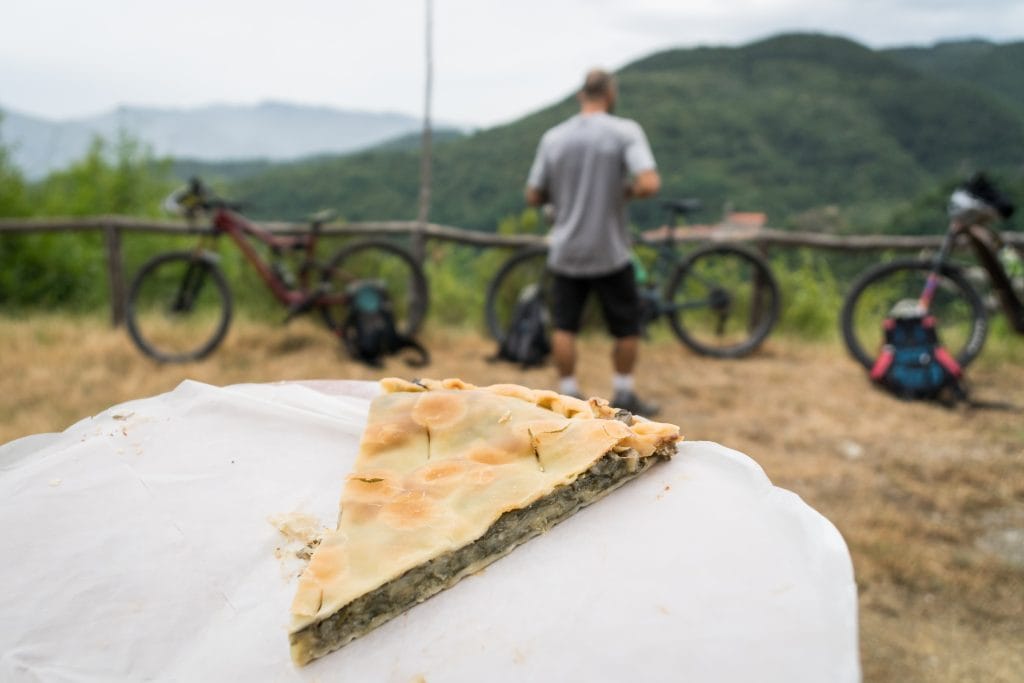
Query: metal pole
x,y
418,240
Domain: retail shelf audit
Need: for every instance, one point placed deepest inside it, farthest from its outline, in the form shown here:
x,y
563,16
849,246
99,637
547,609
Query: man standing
x,y
588,167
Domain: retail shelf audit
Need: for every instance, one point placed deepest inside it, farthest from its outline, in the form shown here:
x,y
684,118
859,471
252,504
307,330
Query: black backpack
x,y
369,331
979,185
527,341
913,364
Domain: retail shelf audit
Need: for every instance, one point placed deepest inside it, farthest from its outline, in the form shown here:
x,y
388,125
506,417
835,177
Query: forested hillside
x,y
994,67
819,132
814,130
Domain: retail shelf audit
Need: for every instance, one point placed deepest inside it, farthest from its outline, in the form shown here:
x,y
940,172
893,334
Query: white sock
x,y
568,385
622,384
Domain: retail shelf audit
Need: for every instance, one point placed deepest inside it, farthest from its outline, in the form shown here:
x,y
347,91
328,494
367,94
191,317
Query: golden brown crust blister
x,y
439,462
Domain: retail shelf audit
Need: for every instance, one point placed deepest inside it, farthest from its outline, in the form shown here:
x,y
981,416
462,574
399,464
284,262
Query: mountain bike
x,y
180,306
937,286
721,300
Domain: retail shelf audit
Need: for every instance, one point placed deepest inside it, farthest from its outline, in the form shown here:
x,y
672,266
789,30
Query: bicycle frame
x,y
238,228
985,242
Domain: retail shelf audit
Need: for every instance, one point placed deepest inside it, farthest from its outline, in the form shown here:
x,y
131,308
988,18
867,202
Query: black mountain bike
x,y
938,286
721,300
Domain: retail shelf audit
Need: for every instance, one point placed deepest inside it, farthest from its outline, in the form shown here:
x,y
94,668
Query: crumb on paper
x,y
123,416
298,526
303,533
56,482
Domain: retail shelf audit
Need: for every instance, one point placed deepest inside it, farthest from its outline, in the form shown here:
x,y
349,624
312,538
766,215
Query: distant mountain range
x,y
815,130
273,131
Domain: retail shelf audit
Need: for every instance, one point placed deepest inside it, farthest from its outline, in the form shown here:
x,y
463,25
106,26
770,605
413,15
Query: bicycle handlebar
x,y
682,207
195,197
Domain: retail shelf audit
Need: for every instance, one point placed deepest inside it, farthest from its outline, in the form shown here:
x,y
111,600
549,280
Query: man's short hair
x,y
598,83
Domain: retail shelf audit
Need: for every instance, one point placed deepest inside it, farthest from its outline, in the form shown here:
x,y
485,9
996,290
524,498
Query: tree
x,y
13,199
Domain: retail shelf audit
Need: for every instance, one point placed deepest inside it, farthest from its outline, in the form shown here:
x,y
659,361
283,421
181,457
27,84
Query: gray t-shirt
x,y
584,164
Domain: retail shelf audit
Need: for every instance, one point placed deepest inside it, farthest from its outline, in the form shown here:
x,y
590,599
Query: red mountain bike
x,y
179,305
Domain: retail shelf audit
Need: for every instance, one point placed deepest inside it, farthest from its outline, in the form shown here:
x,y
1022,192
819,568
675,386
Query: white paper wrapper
x,y
138,548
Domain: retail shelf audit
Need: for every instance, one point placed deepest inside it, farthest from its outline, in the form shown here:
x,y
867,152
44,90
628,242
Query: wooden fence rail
x,y
112,228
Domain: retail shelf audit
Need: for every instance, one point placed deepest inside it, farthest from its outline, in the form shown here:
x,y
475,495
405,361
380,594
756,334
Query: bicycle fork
x,y
931,285
191,282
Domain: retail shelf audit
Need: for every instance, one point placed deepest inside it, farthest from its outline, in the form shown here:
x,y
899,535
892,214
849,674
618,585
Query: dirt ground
x,y
930,500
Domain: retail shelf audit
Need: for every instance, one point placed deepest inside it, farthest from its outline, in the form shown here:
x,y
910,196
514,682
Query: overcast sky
x,y
494,60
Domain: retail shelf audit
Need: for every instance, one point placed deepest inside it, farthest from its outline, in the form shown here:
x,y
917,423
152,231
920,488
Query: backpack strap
x,y
946,360
404,342
882,363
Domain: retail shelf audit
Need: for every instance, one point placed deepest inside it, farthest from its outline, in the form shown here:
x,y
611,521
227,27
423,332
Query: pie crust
x,y
449,478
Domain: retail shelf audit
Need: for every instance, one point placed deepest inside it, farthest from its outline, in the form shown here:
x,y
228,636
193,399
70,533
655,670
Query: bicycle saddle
x,y
322,216
682,206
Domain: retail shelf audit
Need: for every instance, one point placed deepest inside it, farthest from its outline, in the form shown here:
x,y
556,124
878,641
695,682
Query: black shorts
x,y
617,292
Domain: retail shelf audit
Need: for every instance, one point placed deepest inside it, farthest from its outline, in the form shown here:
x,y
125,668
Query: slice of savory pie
x,y
449,478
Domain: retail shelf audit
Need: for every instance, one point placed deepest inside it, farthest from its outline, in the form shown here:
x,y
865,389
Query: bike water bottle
x,y
639,271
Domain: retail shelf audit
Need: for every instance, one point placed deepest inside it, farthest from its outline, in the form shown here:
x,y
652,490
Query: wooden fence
x,y
112,228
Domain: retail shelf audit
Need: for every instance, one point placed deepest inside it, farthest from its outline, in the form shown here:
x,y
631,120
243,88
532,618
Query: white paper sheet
x,y
139,548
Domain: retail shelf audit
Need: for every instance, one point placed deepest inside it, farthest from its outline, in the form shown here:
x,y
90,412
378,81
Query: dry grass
x,y
930,500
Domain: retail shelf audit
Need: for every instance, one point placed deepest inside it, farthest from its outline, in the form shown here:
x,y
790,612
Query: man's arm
x,y
640,164
645,184
537,181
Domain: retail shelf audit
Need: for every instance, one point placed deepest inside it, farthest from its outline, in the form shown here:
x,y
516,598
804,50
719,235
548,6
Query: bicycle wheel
x,y
722,301
179,307
523,269
388,264
959,312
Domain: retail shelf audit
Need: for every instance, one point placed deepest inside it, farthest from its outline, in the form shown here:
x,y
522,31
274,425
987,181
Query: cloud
x,y
494,60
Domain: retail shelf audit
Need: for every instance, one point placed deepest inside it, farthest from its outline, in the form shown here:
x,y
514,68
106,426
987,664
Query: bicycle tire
x,y
735,317
179,307
523,268
380,260
961,319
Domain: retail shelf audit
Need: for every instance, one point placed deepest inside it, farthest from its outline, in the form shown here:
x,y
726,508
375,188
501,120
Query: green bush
x,y
66,270
811,296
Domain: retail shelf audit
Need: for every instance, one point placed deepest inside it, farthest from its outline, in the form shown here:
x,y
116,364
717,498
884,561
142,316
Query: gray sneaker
x,y
628,400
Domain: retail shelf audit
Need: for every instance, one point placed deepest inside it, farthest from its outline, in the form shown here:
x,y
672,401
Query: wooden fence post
x,y
115,273
757,311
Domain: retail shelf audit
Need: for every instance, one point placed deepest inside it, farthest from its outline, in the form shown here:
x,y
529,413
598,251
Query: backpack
x,y
913,364
526,342
369,331
979,185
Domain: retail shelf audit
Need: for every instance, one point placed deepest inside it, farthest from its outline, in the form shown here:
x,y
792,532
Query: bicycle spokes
x,y
946,295
385,263
179,307
723,301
